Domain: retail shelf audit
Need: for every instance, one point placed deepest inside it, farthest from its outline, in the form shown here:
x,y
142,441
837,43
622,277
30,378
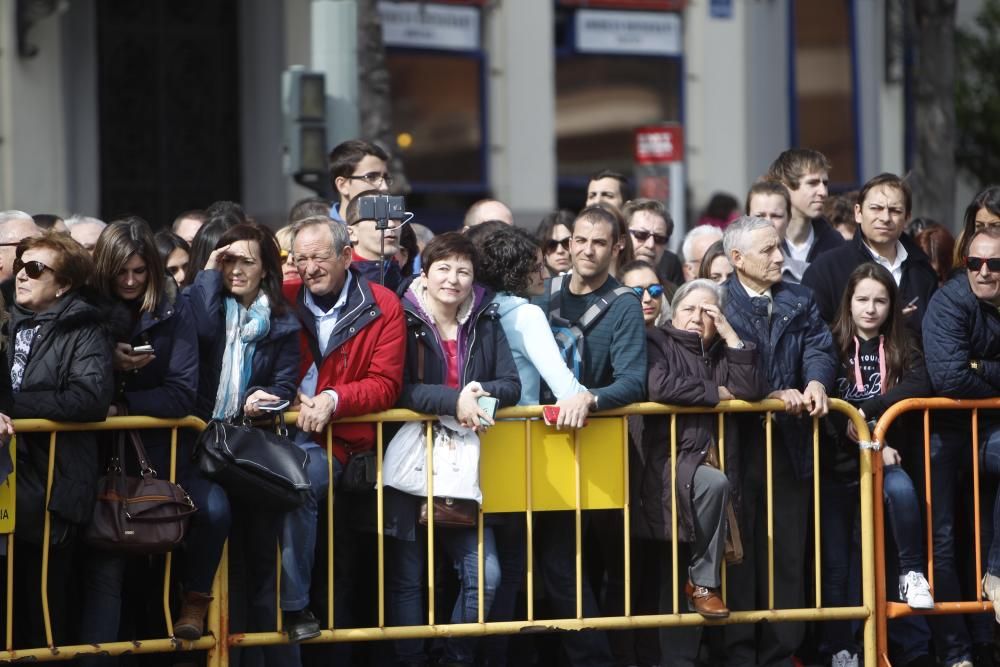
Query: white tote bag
x,y
456,460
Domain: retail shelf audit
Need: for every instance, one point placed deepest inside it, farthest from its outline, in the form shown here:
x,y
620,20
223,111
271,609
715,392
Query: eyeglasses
x,y
971,263
373,178
283,254
641,235
34,269
552,244
655,291
10,244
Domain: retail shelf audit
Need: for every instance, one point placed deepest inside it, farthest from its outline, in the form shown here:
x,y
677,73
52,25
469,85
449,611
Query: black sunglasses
x,y
641,235
552,244
976,263
655,291
34,269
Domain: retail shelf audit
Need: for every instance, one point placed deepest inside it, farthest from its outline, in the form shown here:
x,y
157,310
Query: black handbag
x,y
359,474
260,468
137,515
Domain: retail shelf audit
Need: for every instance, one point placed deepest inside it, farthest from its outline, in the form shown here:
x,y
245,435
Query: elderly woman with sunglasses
x,y
61,369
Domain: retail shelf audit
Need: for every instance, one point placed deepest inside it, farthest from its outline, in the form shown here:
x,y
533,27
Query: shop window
x,y
823,106
437,110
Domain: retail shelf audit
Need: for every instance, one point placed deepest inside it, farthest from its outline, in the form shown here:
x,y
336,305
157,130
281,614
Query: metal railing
x,y
885,608
526,467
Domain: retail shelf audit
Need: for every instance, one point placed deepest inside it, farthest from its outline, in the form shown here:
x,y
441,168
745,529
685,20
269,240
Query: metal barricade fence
x,y
529,467
526,467
885,608
152,645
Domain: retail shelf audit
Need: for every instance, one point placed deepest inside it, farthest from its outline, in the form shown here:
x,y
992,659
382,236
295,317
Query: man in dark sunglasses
x,y
650,226
961,333
356,166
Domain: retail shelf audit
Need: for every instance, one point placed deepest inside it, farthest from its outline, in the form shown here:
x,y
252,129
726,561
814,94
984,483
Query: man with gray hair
x,y
796,351
85,230
14,227
696,243
353,343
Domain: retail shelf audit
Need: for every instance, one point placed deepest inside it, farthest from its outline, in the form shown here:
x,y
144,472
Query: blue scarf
x,y
244,327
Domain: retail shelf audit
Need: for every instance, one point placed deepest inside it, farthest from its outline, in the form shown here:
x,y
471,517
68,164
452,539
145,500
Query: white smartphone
x,y
142,349
273,406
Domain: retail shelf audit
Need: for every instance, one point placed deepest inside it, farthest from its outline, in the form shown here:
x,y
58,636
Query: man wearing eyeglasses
x,y
356,166
650,226
961,333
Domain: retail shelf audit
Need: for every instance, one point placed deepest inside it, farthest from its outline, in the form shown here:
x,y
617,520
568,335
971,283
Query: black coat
x,y
827,277
795,348
275,365
166,387
683,372
67,378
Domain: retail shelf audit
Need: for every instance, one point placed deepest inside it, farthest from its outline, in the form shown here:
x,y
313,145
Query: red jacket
x,y
364,360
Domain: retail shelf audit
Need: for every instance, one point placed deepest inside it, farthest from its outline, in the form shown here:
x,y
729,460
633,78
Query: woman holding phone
x,y
156,375
249,348
456,354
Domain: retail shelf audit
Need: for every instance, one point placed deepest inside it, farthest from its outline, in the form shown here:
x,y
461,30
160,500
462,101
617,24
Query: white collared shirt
x,y
754,293
326,322
895,268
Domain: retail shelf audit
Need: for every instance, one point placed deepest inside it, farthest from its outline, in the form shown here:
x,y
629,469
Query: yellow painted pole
x,y
46,618
768,452
722,467
579,524
169,560
330,495
529,523
430,522
674,565
975,502
380,519
480,612
867,539
10,588
817,550
626,517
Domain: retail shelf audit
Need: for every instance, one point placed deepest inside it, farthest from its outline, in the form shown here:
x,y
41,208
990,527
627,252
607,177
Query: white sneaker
x,y
962,663
913,588
991,591
845,659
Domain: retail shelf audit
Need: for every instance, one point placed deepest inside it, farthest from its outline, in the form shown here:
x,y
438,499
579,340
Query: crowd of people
x,y
343,317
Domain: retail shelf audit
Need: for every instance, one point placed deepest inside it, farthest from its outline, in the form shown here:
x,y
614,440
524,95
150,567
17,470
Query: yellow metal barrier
x,y
885,608
526,467
529,467
153,645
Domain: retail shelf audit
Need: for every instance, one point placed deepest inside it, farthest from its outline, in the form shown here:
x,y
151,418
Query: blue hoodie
x,y
535,351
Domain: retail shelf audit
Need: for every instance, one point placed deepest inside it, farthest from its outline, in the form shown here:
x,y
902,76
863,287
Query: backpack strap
x,y
592,314
555,298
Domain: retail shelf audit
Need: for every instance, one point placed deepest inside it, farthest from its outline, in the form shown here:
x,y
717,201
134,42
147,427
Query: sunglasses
x,y
641,235
655,291
34,269
974,263
552,244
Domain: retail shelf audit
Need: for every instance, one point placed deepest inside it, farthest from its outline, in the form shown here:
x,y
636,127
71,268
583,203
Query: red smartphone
x,y
550,413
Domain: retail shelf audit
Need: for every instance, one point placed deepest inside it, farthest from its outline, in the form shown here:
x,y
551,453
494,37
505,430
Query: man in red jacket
x,y
353,346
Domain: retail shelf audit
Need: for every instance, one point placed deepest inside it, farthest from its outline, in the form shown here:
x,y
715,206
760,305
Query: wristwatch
x,y
593,403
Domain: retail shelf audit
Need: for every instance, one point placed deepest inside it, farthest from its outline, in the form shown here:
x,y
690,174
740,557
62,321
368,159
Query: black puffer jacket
x,y
68,378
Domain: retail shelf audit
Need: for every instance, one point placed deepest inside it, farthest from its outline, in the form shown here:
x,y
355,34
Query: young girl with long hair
x,y
880,364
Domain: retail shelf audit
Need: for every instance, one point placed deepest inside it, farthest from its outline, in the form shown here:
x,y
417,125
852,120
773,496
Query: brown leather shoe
x,y
191,622
705,601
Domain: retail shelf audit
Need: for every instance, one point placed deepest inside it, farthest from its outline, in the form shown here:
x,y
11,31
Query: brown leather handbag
x,y
451,513
137,515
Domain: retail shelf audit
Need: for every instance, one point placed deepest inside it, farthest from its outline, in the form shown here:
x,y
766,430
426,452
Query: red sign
x,y
658,144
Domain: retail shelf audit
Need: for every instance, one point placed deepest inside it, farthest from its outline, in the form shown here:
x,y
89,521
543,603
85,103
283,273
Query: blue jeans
x,y
950,464
839,513
510,535
902,510
199,558
405,569
298,532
